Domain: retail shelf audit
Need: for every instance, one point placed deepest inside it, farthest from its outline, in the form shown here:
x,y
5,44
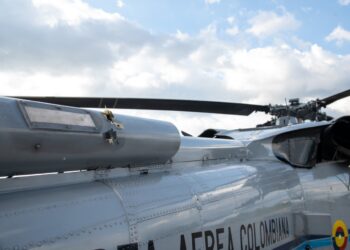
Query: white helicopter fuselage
x,y
213,194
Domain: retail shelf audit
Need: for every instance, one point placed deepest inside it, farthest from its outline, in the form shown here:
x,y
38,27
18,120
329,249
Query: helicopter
x,y
78,177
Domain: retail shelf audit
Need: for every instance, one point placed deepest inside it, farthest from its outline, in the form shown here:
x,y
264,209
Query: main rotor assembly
x,y
294,112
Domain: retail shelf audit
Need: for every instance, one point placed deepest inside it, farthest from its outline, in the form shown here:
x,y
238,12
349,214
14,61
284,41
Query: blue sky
x,y
237,51
317,17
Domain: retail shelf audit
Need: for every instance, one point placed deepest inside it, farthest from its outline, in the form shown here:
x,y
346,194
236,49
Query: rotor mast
x,y
297,112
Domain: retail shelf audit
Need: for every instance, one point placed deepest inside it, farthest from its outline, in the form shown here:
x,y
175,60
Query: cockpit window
x,y
298,148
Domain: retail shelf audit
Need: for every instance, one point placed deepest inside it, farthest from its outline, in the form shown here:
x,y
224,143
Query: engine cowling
x,y
39,138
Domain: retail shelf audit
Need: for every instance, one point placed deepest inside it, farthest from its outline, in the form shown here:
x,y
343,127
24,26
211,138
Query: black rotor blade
x,y
328,100
153,104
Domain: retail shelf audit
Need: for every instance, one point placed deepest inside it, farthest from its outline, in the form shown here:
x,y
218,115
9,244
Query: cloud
x,y
42,36
120,4
37,83
146,70
267,23
212,1
103,54
232,31
71,12
181,35
233,28
339,35
272,73
344,2
209,31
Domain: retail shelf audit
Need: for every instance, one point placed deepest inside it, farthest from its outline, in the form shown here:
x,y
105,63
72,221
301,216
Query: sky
x,y
262,52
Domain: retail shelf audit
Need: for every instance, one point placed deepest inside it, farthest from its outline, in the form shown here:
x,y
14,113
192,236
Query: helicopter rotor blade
x,y
328,100
154,104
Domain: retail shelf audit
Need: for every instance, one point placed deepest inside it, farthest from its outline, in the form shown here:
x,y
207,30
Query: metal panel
x,y
53,117
165,209
64,216
56,147
42,115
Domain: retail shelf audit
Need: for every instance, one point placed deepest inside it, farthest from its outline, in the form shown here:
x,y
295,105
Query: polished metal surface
x,y
131,183
50,146
160,206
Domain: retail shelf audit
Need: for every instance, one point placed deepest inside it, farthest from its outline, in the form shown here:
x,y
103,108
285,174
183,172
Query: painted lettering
x,y
219,245
182,242
195,236
150,245
230,240
208,235
256,246
250,237
263,234
243,231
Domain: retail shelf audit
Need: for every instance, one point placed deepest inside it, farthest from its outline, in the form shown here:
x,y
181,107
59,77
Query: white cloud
x,y
72,12
181,35
231,20
339,35
209,31
340,107
233,29
212,1
267,23
36,83
344,2
146,70
88,38
91,55
120,3
272,73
